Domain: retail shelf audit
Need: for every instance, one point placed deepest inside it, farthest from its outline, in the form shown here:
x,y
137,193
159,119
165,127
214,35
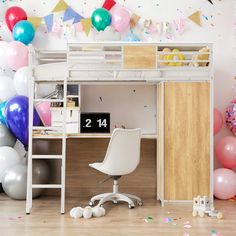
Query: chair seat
x,y
96,165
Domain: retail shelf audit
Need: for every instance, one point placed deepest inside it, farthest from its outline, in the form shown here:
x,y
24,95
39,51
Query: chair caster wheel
x,y
140,203
131,207
91,203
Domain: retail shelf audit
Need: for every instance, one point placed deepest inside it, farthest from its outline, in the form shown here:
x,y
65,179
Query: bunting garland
x,y
80,24
87,24
49,22
196,18
35,21
61,6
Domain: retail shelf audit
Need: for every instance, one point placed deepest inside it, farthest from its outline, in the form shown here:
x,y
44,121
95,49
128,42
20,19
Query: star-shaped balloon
x,y
210,1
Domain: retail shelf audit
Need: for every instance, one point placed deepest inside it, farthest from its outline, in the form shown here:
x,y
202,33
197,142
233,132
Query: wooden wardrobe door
x,y
187,140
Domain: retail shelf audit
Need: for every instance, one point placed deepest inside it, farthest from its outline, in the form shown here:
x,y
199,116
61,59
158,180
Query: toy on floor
x,y
201,57
87,212
175,56
202,206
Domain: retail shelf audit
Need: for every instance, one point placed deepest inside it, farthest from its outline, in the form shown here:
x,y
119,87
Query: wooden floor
x,y
119,220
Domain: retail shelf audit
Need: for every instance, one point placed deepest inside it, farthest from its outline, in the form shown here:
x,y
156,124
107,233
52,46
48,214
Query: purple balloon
x,y
17,116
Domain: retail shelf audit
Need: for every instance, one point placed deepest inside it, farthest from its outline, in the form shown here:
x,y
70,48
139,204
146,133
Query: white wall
x,y
218,29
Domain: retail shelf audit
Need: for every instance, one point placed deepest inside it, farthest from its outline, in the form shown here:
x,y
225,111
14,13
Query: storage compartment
x,y
72,119
139,57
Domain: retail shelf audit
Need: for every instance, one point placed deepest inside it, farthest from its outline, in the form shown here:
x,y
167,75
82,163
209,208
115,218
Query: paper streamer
x,y
35,21
49,22
196,18
87,24
108,4
61,6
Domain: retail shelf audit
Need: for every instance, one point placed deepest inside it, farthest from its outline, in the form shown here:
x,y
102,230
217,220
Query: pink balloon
x,y
44,112
218,121
16,55
120,18
225,151
224,183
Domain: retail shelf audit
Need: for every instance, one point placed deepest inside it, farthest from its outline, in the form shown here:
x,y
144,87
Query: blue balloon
x,y
24,32
2,113
17,115
131,37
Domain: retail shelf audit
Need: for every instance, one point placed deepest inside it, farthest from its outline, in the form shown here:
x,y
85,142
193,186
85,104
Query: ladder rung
x,y
46,185
47,156
48,100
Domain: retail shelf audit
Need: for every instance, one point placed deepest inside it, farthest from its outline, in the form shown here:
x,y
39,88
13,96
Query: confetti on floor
x,y
215,233
168,219
148,219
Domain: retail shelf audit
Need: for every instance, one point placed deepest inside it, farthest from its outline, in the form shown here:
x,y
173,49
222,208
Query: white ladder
x,y
31,156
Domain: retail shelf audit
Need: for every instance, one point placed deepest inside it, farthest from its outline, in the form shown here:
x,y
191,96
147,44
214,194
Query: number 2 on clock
x,y
88,123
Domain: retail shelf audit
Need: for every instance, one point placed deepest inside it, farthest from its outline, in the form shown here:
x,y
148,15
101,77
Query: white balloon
x,y
7,89
45,89
8,157
21,79
3,62
5,33
3,9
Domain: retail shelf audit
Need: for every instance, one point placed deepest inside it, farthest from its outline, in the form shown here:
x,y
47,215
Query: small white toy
x,y
202,206
87,212
76,212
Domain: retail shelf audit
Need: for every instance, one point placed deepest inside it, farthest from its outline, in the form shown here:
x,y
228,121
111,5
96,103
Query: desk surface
x,y
79,135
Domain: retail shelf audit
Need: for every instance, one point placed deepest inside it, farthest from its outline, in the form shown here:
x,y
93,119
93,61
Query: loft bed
x,y
174,115
121,61
129,63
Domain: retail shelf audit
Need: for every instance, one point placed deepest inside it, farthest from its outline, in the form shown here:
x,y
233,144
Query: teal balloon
x,y
2,114
101,18
24,32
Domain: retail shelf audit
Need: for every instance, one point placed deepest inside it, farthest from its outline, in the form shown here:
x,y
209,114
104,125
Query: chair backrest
x,y
123,153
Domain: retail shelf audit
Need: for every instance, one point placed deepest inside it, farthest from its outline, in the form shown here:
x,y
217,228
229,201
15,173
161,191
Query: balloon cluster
x,y
118,18
225,151
14,108
22,30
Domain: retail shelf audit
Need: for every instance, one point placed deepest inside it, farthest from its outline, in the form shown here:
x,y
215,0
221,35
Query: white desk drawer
x,y
72,115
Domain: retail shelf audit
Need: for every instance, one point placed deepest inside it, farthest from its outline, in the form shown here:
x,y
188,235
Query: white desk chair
x,y
122,158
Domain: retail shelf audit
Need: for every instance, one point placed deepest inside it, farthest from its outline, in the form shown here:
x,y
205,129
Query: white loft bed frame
x,y
73,66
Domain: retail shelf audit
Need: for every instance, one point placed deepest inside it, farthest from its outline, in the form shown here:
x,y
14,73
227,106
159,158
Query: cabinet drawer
x,y
72,115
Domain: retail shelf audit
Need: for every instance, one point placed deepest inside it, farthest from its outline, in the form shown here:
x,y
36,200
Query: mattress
x,y
102,71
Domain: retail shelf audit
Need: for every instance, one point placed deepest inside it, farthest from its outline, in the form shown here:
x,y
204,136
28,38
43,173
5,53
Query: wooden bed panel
x,y
83,181
139,57
187,137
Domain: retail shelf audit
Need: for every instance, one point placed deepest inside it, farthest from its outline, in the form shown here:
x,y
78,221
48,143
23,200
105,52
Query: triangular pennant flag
x,y
61,6
35,21
77,18
87,24
196,18
49,22
134,20
71,14
108,4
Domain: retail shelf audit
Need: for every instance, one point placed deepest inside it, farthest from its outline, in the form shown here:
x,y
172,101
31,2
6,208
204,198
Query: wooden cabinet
x,y
184,140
